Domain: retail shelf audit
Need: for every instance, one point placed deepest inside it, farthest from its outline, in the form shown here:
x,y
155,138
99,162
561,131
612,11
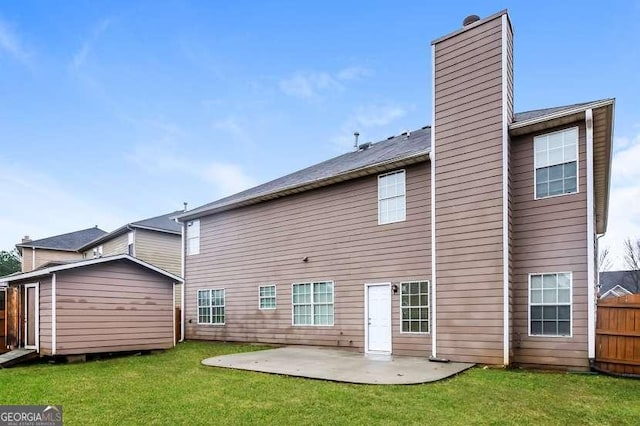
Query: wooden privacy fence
x,y
618,335
177,324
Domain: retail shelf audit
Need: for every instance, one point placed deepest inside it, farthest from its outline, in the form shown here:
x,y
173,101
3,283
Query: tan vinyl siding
x,y
116,245
469,193
44,256
159,248
111,307
337,229
549,235
45,315
162,250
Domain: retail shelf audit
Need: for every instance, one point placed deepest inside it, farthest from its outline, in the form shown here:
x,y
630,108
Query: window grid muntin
x,y
211,306
267,297
550,304
565,144
417,292
312,303
392,190
192,239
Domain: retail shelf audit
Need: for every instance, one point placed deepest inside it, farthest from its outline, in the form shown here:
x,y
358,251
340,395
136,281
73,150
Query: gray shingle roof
x,y
162,223
71,241
397,147
627,279
401,146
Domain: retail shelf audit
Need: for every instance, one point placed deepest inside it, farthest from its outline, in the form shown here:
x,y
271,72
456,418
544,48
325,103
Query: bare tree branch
x,y
605,262
632,260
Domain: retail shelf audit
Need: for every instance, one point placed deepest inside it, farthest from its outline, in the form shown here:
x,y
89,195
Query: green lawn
x,y
173,388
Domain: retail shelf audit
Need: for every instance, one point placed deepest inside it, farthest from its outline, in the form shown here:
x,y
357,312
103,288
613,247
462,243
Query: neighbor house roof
x,y
163,223
396,151
71,241
629,280
83,263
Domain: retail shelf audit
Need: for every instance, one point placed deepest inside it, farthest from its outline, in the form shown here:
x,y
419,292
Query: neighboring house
x,y
470,240
35,253
156,240
108,304
619,283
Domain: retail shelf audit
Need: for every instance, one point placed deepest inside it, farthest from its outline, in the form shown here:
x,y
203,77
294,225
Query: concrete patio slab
x,y
339,365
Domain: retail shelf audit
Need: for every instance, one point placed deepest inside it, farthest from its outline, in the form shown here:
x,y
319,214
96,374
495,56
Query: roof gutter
x,y
560,114
341,177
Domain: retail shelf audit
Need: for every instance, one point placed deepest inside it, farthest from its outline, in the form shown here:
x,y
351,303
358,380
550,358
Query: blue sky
x,y
112,112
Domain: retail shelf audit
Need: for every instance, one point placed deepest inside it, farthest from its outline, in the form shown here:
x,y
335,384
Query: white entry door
x,y
378,318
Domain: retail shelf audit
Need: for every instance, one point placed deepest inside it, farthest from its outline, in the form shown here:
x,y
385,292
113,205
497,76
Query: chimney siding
x,y
473,96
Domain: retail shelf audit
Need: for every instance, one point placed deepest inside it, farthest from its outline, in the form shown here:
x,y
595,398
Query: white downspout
x,y
53,315
591,300
184,283
505,200
432,160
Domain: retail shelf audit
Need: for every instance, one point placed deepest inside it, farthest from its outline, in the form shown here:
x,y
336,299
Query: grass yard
x,y
173,388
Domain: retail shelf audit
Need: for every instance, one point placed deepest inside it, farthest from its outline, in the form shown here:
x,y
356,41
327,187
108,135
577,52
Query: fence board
x,y
618,335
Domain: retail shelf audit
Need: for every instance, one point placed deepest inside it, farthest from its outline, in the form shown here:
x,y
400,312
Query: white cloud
x,y
624,202
163,157
231,125
80,57
11,44
309,85
40,206
366,118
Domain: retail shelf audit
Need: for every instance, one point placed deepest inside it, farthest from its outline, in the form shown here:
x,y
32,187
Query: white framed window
x,y
550,304
97,252
267,297
556,163
312,303
193,237
414,307
211,306
392,197
130,244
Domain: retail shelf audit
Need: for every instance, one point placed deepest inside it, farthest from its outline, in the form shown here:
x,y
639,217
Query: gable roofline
x,y
130,227
617,286
559,113
340,177
69,241
89,262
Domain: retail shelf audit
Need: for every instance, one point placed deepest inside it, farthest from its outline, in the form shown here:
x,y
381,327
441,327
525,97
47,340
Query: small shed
x,y
109,304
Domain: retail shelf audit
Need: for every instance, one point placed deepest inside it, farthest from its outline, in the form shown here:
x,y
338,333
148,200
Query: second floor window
x,y
556,163
130,244
391,197
193,237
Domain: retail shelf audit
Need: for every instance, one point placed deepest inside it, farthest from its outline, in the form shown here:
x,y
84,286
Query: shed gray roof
x,y
630,280
71,241
405,145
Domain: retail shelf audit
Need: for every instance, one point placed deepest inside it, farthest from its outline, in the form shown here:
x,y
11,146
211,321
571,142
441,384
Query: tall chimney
x,y
473,106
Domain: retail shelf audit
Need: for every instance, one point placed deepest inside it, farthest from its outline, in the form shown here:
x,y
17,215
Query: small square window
x,y
267,297
550,304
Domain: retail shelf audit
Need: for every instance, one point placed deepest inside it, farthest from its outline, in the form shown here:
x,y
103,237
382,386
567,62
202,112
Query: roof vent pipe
x,y
355,143
470,20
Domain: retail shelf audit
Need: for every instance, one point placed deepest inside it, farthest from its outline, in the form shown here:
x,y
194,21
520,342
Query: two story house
x,y
472,239
36,253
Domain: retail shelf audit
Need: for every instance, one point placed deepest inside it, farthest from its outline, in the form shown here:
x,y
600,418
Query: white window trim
x,y
535,179
189,238
404,174
428,306
333,302
275,294
544,336
224,305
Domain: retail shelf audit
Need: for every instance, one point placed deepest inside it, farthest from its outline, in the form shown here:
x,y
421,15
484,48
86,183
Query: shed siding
x,y
550,235
111,307
45,315
337,229
469,193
